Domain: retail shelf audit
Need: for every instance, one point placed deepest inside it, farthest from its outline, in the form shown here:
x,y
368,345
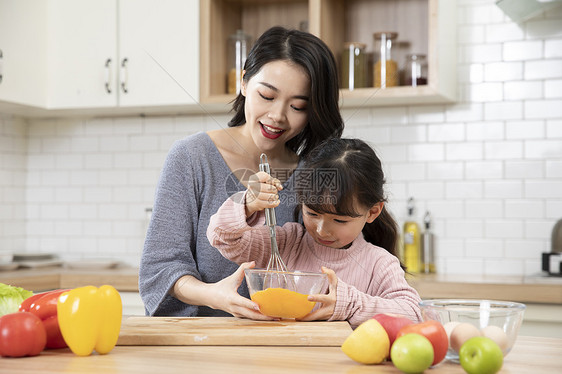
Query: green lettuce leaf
x,y
11,298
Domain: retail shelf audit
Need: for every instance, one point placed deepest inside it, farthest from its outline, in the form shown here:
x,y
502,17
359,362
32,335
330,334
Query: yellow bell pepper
x,y
90,318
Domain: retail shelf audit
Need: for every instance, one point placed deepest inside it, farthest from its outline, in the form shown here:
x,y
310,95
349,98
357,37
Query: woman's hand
x,y
328,300
227,298
262,192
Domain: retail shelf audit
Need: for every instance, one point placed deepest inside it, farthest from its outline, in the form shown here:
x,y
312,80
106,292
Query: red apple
x,y
392,323
435,332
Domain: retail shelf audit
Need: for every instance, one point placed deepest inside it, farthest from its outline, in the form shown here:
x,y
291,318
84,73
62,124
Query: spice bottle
x,y
427,247
385,71
415,70
354,66
238,48
411,240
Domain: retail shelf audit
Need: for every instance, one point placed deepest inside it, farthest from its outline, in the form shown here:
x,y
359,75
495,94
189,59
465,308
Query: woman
x,y
288,104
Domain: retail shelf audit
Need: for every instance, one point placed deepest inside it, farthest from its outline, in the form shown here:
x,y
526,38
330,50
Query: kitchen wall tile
x,y
524,209
481,53
503,228
407,172
464,151
484,170
543,69
503,32
374,135
553,89
503,189
426,190
484,248
471,34
484,209
524,249
53,211
464,190
554,129
485,92
521,90
554,209
485,130
543,149
393,153
463,265
480,13
503,71
426,152
464,113
523,50
476,73
554,169
503,266
525,129
553,48
543,109
390,116
503,110
68,195
503,150
445,171
408,134
524,169
543,189
537,228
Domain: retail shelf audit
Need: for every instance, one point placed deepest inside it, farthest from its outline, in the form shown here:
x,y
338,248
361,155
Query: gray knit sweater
x,y
194,182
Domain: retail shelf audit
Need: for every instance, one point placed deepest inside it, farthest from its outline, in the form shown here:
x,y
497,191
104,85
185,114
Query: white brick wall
x,y
489,167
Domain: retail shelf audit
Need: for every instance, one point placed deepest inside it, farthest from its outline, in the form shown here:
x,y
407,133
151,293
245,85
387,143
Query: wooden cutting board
x,y
230,331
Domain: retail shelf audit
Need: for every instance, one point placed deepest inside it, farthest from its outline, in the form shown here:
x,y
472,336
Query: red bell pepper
x,y
44,306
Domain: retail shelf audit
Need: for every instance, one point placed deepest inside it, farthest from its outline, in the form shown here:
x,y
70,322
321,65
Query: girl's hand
x,y
262,192
228,299
328,300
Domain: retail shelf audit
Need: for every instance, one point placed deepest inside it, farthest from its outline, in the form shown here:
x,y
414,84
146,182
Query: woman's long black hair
x,y
341,175
314,56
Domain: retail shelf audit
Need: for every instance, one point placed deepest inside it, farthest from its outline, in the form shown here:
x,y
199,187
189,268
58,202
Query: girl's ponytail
x,y
383,232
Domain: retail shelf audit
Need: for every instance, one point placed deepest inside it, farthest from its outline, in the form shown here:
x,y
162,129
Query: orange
x,y
282,303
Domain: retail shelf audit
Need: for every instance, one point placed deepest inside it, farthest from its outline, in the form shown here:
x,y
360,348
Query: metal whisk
x,y
275,265
275,261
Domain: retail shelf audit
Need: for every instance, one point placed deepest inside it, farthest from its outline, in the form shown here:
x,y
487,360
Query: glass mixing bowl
x,y
284,294
479,313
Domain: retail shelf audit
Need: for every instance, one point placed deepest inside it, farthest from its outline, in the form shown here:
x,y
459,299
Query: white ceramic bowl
x,y
480,313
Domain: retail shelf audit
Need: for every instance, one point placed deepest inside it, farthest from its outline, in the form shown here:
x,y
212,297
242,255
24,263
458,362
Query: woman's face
x,y
276,104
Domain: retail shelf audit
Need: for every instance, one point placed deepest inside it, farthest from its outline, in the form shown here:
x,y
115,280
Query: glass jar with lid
x,y
385,70
238,48
353,66
415,70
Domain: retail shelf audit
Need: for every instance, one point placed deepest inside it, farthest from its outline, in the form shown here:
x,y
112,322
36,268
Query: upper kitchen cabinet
x,y
423,27
23,52
125,53
99,56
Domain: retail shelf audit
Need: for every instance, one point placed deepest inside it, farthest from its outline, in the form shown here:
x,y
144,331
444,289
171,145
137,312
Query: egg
x,y
461,333
449,326
496,334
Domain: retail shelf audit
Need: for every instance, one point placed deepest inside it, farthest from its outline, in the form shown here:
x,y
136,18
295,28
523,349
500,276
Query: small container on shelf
x,y
354,66
415,70
385,70
238,48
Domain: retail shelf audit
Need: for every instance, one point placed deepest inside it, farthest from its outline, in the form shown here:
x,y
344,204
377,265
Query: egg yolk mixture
x,y
282,303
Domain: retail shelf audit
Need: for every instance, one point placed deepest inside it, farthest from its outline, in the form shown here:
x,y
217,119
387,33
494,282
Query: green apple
x,y
412,353
481,355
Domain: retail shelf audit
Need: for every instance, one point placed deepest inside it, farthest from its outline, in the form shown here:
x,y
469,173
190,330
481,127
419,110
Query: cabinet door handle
x,y
1,65
108,75
124,76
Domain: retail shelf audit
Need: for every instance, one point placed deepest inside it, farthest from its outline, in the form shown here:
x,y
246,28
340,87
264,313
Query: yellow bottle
x,y
411,241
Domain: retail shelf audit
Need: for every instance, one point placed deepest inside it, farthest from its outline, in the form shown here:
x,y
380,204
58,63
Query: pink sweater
x,y
370,280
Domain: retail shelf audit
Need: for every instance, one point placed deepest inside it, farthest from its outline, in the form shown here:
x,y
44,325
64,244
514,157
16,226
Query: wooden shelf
x,y
424,26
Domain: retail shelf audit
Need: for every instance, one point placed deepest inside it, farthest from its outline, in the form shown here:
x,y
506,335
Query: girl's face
x,y
336,231
276,104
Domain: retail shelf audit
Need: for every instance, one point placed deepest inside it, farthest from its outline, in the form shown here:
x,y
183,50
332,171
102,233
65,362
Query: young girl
x,y
347,233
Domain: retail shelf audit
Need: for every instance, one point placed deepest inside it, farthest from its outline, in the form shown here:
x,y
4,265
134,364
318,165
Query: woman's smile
x,y
271,132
